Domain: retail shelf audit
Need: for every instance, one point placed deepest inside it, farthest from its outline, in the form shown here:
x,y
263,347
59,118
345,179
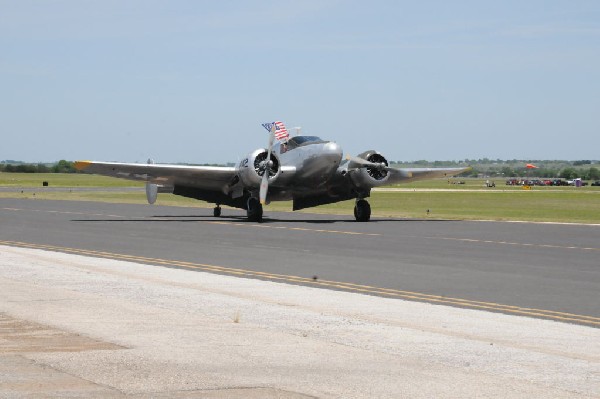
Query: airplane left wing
x,y
216,178
403,175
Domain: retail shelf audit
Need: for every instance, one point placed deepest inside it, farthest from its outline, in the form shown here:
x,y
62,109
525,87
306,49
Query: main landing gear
x,y
254,210
217,211
362,210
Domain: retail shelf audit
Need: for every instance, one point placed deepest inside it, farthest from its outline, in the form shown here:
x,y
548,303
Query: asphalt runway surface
x,y
550,271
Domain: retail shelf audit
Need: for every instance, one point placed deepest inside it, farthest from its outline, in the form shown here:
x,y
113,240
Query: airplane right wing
x,y
217,178
370,169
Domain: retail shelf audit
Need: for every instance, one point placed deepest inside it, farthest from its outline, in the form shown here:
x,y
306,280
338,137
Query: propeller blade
x,y
264,187
264,183
369,164
380,166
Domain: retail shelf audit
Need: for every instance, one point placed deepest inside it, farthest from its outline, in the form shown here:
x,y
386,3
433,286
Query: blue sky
x,y
191,81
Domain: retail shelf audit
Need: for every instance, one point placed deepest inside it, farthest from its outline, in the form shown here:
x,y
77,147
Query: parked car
x,y
596,183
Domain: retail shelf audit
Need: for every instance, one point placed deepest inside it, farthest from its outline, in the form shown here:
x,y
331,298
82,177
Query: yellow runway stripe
x,y
388,292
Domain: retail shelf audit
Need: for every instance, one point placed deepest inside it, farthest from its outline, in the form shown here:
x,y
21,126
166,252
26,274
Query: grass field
x,y
63,180
472,201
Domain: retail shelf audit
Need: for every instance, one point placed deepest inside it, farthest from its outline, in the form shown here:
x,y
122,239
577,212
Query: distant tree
x,y
64,167
592,173
474,172
26,168
41,168
548,172
508,171
569,173
582,162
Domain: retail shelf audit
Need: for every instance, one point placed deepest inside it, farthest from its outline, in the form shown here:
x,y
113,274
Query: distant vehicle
x,y
575,181
596,183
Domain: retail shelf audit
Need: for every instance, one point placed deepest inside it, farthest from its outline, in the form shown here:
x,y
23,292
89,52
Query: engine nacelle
x,y
369,176
251,169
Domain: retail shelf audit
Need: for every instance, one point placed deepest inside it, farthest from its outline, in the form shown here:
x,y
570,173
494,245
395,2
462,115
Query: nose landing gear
x,y
362,211
217,211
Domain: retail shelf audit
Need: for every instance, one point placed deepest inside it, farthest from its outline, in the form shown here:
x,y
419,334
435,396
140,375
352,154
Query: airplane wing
x,y
403,175
215,178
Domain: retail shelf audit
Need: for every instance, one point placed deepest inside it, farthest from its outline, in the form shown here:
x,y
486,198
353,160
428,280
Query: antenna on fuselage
x,y
297,129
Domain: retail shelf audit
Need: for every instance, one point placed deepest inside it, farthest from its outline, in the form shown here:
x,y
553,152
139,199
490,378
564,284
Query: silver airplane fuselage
x,y
314,163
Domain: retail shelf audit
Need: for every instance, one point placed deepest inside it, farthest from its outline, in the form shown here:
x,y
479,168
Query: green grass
x,y
63,180
535,205
472,201
124,197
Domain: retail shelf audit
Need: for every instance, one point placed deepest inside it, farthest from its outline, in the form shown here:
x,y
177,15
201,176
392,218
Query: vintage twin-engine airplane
x,y
305,169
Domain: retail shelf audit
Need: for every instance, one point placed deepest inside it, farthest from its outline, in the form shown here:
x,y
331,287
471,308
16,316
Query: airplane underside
x,y
254,209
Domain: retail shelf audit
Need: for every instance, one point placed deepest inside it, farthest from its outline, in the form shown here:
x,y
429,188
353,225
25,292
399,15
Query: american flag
x,y
281,132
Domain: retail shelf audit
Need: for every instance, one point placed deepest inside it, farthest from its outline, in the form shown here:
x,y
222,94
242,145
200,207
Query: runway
x,y
156,307
535,270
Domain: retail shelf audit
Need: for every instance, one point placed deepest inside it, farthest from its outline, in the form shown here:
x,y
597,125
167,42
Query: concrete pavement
x,y
120,329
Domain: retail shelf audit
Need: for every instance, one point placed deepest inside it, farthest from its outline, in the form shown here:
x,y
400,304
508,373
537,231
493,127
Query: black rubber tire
x,y
362,211
217,212
254,210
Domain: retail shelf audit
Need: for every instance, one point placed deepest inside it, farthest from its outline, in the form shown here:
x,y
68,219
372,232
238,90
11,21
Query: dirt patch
x,y
17,336
20,376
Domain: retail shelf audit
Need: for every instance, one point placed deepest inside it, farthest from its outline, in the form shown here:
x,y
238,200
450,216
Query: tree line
x,y
567,173
61,166
584,169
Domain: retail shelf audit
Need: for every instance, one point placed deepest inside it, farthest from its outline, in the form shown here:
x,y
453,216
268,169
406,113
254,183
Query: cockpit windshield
x,y
299,141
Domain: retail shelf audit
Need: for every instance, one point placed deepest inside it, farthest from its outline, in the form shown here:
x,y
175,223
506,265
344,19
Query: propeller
x,y
264,184
377,165
364,162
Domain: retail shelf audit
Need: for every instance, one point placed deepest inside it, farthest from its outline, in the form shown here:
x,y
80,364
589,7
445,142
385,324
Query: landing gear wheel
x,y
217,211
362,211
254,210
